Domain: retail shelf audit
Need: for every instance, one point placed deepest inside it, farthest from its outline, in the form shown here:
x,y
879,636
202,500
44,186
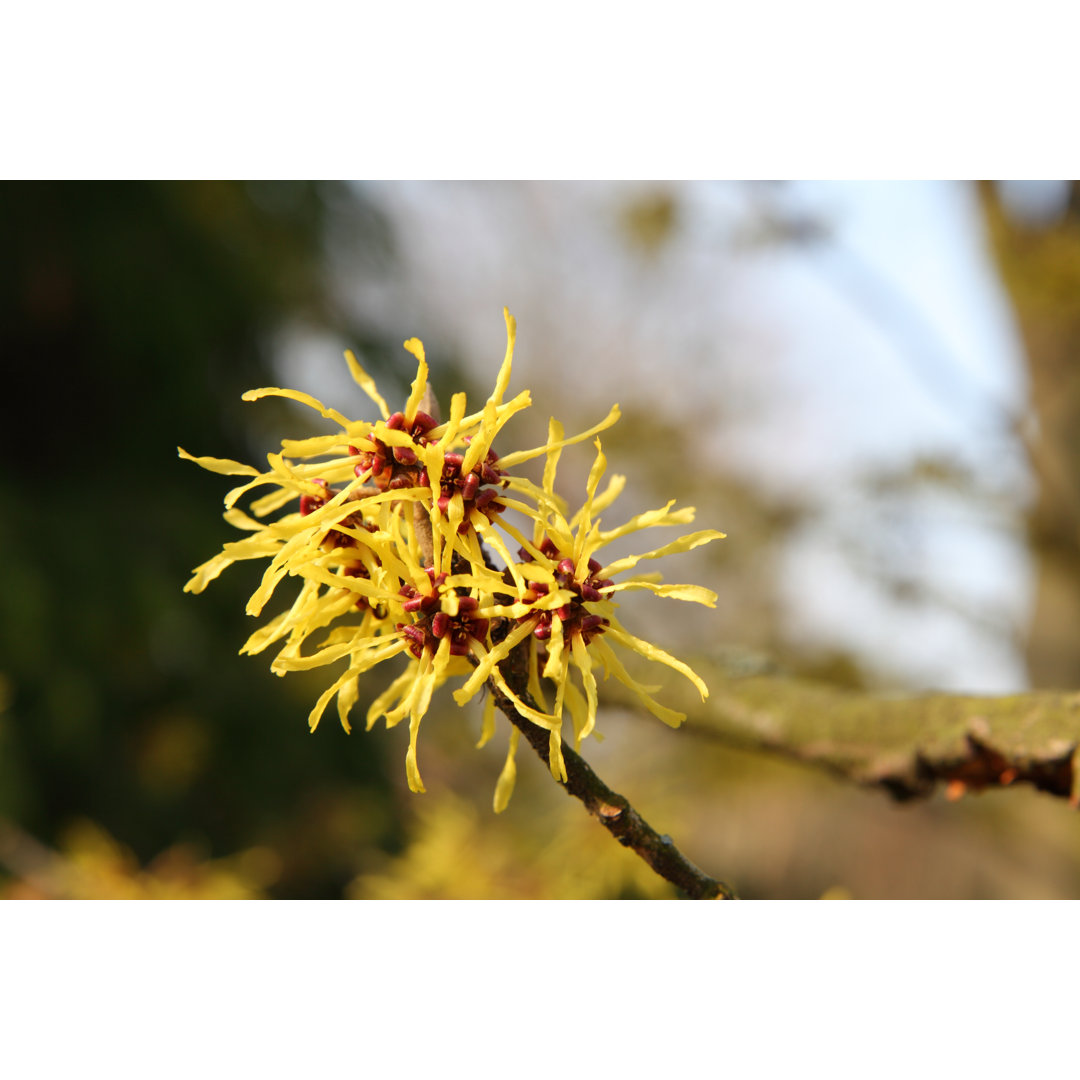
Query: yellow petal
x,y
347,696
324,700
696,594
428,679
614,489
206,572
504,787
487,727
313,447
554,648
684,543
651,519
534,685
416,347
579,712
580,652
225,466
612,663
585,531
555,757
527,455
654,652
296,395
538,718
489,659
391,694
502,380
267,504
493,420
365,382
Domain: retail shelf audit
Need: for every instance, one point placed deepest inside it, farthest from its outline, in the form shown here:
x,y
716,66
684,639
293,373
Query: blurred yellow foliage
x,y
92,865
458,854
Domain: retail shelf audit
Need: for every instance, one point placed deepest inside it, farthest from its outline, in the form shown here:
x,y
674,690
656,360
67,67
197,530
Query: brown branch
x,y
904,745
612,810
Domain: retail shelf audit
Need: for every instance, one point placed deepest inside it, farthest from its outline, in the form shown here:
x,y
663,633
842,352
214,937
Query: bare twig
x,y
612,810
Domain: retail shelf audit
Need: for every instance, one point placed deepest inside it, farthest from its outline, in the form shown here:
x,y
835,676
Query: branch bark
x,y
904,745
612,810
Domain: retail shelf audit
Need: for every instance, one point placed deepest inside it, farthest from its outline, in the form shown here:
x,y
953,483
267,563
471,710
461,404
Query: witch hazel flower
x,y
568,609
388,526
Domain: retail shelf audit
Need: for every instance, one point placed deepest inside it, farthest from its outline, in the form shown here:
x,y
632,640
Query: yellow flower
x,y
389,534
568,606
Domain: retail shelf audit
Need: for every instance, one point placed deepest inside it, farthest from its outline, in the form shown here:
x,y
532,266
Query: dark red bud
x,y
440,624
396,422
423,422
405,455
467,603
470,487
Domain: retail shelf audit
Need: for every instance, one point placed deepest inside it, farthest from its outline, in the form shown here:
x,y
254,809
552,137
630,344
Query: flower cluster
x,y
391,538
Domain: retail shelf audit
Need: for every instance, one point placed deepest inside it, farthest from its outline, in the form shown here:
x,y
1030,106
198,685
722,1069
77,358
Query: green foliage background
x,y
133,317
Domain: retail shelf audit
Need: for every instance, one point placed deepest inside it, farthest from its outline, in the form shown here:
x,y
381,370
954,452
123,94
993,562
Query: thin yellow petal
x,y
347,696
391,694
654,652
527,455
225,466
555,757
207,571
696,594
366,383
489,659
296,395
487,727
504,787
579,712
580,652
613,664
614,489
502,380
684,543
538,718
581,547
416,347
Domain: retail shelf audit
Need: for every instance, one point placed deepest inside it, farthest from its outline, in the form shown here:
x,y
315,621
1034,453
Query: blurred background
x,y
872,388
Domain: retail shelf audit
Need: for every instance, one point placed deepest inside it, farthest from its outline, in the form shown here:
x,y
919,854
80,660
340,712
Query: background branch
x,y
905,745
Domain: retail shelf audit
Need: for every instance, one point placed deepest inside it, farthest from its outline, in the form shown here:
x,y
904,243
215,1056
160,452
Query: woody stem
x,y
612,810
